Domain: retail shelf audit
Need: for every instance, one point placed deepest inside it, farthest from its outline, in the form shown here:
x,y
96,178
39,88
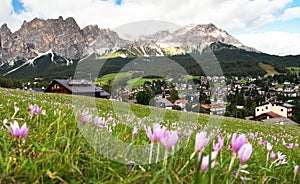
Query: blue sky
x,y
272,26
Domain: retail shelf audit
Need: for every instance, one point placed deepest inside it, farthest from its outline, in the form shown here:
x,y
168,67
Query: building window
x,y
257,110
266,107
281,110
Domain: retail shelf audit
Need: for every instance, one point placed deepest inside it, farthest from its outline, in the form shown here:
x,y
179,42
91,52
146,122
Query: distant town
x,y
272,99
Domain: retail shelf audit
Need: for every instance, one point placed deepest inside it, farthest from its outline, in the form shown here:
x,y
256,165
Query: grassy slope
x,y
127,76
269,69
56,152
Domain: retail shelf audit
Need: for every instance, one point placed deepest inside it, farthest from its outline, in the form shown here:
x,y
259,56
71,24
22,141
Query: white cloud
x,y
273,42
291,13
227,14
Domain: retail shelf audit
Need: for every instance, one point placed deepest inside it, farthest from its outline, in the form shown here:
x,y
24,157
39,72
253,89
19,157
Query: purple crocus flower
x,y
24,131
205,161
237,142
218,146
34,110
149,134
296,169
188,133
16,109
245,152
85,117
97,121
159,132
135,132
16,131
273,155
201,140
169,139
269,147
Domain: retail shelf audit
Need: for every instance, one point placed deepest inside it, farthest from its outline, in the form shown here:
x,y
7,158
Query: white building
x,y
282,109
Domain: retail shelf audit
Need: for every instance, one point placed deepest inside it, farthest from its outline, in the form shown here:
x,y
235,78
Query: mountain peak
x,y
65,38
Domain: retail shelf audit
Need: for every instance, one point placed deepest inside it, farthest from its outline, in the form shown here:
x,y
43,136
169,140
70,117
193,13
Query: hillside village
x,y
238,97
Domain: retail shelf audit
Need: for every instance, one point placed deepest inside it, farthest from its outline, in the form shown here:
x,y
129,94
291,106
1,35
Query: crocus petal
x,y
238,142
15,129
150,134
24,131
201,140
245,153
170,140
296,169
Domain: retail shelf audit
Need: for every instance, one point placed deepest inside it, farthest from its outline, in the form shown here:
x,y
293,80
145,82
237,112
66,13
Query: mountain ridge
x,y
65,38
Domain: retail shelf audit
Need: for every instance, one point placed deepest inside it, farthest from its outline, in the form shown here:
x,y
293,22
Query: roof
x,y
80,86
166,102
278,103
211,106
273,114
288,105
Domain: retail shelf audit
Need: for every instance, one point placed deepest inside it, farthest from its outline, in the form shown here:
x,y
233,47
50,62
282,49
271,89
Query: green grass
x,y
134,83
294,69
112,76
269,69
56,150
243,81
126,76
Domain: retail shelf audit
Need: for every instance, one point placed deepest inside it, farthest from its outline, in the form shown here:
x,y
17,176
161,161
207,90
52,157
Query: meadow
x,y
45,138
269,69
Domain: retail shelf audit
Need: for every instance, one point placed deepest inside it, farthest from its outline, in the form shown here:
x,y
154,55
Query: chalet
x,y
281,109
76,87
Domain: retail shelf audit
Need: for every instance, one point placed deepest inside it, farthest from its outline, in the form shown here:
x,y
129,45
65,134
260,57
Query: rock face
x,y
65,38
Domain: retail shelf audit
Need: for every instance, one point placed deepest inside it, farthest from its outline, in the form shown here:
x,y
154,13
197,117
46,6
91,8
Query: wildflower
x,y
245,152
16,131
159,132
272,155
201,140
85,117
218,146
135,132
149,134
188,133
205,161
290,146
169,139
269,147
281,158
296,169
97,121
34,110
237,142
110,119
16,109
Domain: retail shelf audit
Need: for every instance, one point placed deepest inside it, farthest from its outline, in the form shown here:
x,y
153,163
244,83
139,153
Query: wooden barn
x,y
76,87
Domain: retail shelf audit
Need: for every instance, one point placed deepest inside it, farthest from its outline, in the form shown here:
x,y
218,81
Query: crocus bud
x,y
269,147
296,169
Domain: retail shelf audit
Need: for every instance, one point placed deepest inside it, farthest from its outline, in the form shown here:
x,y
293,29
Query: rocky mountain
x,y
191,38
65,38
62,36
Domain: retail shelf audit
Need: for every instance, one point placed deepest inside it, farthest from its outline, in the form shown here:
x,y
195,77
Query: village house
x,y
273,110
214,109
161,102
76,87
